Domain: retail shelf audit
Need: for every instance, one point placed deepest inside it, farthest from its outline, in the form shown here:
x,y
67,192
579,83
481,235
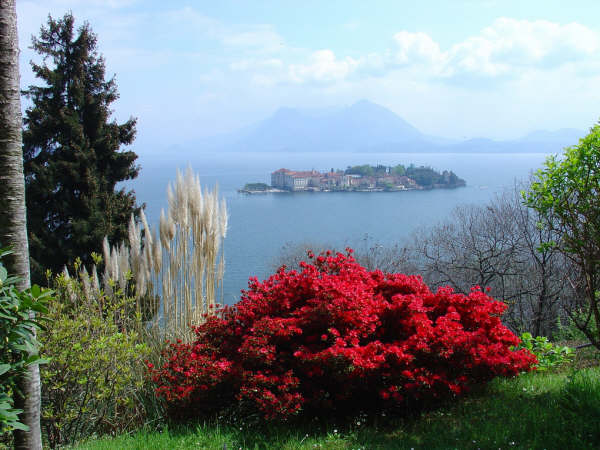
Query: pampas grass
x,y
178,275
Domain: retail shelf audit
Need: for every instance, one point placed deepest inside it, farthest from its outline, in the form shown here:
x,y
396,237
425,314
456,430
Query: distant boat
x,y
483,187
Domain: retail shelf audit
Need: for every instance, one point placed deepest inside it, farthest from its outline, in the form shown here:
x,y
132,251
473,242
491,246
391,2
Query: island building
x,y
313,180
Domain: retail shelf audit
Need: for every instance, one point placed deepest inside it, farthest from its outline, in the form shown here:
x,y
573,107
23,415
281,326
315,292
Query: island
x,y
362,178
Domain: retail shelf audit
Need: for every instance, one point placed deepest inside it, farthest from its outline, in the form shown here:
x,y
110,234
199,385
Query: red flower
x,y
392,339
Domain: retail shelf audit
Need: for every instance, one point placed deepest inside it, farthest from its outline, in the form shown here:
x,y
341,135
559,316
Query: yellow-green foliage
x,y
548,354
95,375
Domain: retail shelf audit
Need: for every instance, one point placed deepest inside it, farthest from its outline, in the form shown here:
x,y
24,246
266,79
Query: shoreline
x,y
361,178
319,190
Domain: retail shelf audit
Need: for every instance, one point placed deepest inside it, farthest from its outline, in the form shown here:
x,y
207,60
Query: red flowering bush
x,y
335,336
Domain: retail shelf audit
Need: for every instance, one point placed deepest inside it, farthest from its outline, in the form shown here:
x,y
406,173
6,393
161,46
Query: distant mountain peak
x,y
365,102
365,126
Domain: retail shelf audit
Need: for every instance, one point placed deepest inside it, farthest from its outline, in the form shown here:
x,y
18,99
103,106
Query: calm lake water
x,y
260,225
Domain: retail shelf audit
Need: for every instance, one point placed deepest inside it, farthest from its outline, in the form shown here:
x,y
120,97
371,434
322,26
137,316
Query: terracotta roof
x,y
306,173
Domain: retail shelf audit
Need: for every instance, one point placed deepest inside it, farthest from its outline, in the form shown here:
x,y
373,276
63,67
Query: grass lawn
x,y
558,410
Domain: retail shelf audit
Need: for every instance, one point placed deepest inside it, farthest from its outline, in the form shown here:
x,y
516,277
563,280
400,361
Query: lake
x,y
260,225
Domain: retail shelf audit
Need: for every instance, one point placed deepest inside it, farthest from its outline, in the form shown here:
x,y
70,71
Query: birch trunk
x,y
13,226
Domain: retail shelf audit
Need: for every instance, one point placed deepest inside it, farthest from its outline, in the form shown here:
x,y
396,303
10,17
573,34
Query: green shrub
x,y
93,382
18,344
548,354
256,187
569,331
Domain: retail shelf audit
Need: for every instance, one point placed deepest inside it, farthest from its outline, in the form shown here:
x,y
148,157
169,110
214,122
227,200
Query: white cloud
x,y
509,46
536,73
416,48
540,41
505,50
323,67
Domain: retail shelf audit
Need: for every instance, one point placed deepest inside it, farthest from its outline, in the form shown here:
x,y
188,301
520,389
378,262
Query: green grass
x,y
558,410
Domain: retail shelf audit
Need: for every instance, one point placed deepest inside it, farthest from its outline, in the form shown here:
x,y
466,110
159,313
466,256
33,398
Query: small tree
x,y
566,193
497,246
72,150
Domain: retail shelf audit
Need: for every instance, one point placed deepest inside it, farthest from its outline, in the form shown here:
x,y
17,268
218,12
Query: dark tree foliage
x,y
425,176
72,150
365,170
428,177
399,170
380,170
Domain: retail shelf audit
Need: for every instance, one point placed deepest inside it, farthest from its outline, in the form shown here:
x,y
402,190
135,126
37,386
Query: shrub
x,y
335,337
569,331
18,343
548,355
95,376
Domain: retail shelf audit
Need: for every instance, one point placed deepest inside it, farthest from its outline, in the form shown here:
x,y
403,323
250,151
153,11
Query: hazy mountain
x,y
358,127
566,136
540,141
367,127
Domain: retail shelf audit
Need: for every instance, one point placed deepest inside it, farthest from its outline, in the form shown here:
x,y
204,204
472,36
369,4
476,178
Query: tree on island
x,y
256,187
399,170
72,151
423,176
365,170
428,177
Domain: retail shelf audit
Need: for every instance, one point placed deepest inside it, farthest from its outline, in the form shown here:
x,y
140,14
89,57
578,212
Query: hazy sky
x,y
451,68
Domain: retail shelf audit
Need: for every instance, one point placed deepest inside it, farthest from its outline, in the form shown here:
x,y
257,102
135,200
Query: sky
x,y
452,68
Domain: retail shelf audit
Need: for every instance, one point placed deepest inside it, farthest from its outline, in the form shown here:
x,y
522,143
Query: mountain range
x,y
368,127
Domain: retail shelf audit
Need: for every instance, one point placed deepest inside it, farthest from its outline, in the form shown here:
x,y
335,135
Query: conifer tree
x,y
72,150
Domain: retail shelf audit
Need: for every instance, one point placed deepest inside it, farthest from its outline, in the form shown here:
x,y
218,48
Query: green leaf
x,y
35,359
35,291
25,347
4,368
19,426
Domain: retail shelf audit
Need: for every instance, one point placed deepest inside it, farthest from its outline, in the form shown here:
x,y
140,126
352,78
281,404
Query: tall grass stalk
x,y
177,276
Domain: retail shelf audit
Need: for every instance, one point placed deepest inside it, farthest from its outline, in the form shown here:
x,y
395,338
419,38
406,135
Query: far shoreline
x,y
362,178
316,190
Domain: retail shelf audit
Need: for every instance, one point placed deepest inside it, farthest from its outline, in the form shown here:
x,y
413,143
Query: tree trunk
x,y
13,227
